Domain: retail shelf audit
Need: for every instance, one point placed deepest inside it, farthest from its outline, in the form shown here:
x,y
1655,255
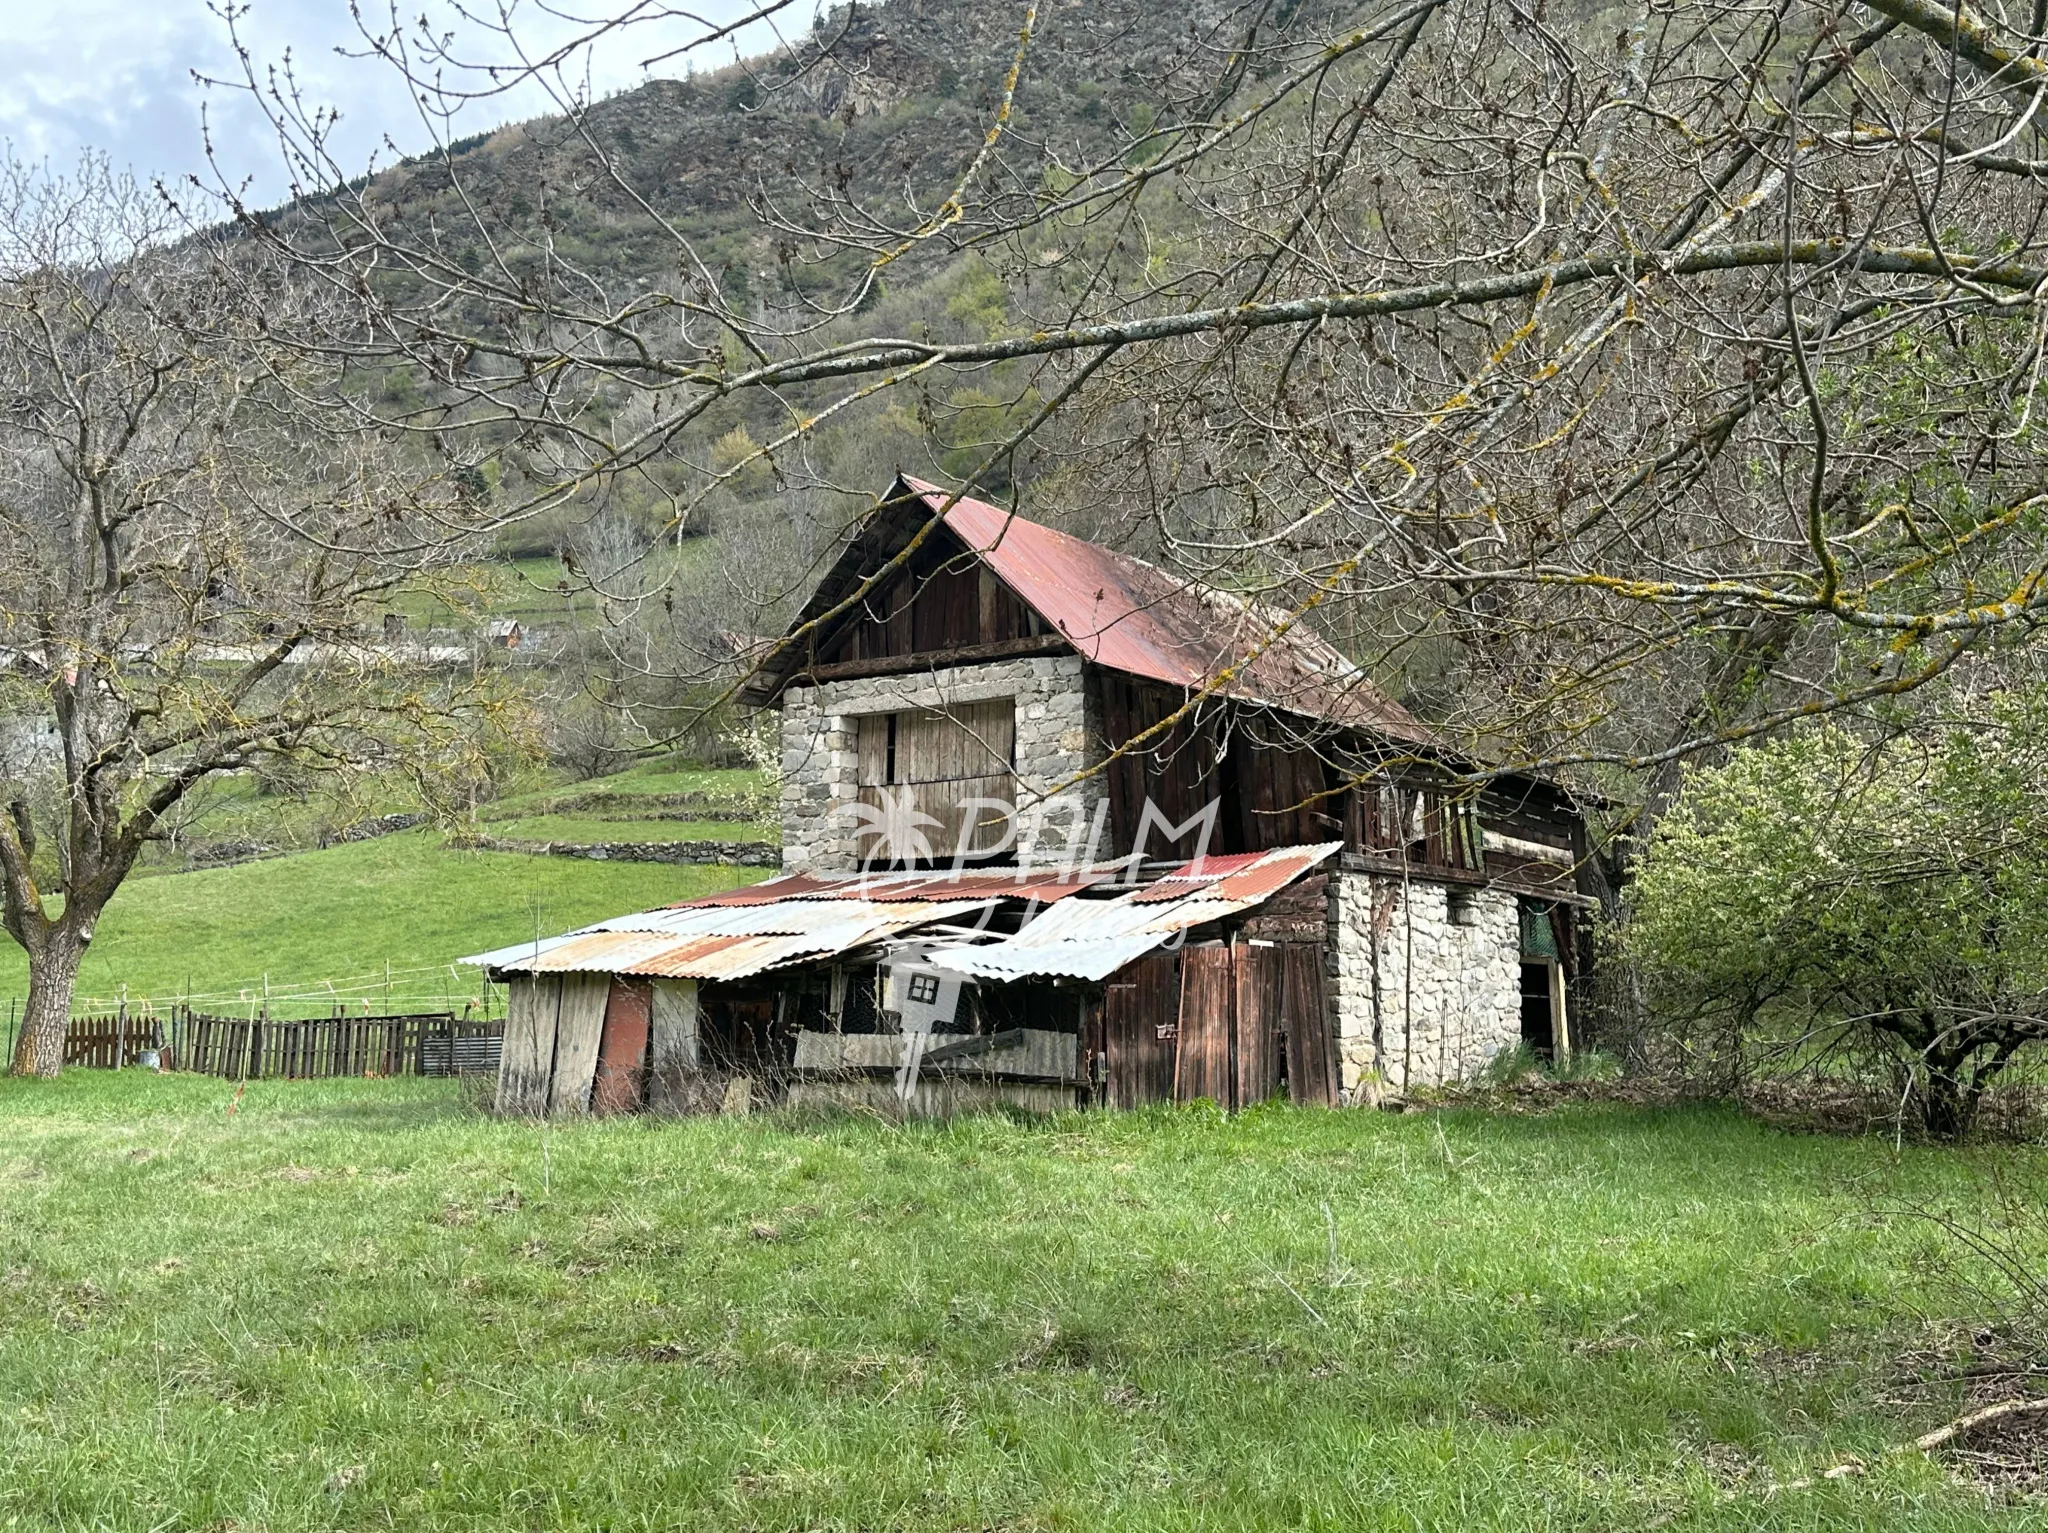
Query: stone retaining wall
x,y
735,854
224,854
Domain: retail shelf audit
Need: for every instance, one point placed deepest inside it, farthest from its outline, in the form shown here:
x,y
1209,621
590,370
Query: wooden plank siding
x,y
533,1007
1311,1047
673,1052
948,759
1174,771
578,1031
1256,1025
945,599
1208,1006
1141,1029
1271,789
303,1048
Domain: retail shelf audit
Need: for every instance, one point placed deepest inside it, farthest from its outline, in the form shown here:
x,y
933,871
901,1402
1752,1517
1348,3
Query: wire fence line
x,y
465,996
264,1047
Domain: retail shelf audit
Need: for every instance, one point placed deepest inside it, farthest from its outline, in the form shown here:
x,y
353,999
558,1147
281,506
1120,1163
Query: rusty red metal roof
x,y
1120,612
1131,616
785,920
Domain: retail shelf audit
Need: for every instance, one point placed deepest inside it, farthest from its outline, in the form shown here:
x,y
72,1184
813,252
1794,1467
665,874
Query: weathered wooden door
x,y
1208,1006
1140,1008
1256,1034
1311,1051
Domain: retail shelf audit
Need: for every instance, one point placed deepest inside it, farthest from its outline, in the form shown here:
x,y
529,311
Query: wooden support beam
x,y
932,659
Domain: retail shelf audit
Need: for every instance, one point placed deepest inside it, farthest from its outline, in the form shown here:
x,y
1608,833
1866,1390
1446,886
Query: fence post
x,y
121,1028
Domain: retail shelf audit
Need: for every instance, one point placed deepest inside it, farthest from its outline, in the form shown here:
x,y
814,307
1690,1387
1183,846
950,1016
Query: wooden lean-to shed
x,y
1061,990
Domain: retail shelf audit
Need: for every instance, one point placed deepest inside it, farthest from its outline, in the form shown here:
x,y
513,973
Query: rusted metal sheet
x,y
1093,938
720,938
1132,616
1118,611
622,1050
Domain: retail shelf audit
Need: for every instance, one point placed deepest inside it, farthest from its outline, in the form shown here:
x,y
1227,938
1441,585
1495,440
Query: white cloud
x,y
117,75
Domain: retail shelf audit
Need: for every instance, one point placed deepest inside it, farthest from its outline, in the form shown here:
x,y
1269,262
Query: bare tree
x,y
1635,388
185,561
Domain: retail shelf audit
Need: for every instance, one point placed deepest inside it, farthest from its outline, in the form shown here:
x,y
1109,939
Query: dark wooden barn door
x,y
1140,1028
1208,1007
1246,1007
1311,1051
1257,1035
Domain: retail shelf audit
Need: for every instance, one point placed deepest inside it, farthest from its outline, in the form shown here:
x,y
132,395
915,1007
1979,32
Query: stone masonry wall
x,y
1056,737
1418,999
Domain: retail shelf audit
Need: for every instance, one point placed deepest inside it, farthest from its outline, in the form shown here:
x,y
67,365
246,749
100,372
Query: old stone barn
x,y
1061,827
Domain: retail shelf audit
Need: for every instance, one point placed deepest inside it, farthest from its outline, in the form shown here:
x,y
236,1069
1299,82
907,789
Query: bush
x,y
1857,904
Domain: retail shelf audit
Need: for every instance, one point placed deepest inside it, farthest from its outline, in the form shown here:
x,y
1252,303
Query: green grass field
x,y
726,784
338,916
362,1305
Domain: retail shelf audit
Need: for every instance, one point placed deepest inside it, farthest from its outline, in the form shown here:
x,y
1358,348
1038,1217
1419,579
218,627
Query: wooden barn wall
x,y
1251,1023
945,599
1271,792
1141,1028
1267,793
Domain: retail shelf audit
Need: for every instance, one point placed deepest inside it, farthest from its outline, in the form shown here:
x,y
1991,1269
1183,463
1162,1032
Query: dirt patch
x,y
2007,1454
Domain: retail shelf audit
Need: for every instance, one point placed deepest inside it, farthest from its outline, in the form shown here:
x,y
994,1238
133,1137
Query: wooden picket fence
x,y
267,1048
100,1041
262,1048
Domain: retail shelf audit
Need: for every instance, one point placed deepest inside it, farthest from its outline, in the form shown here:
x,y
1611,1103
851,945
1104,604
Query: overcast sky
x,y
117,75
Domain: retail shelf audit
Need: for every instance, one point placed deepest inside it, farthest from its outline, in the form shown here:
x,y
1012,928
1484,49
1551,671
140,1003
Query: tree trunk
x,y
1947,1105
52,975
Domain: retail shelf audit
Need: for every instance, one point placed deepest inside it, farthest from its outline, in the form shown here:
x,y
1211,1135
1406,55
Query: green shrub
x,y
1832,898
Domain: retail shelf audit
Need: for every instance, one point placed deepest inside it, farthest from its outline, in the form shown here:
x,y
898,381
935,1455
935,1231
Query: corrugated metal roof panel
x,y
1266,879
808,917
1094,958
1132,616
1092,939
711,941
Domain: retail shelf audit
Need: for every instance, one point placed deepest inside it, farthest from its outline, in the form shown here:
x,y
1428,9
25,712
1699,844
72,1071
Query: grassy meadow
x,y
339,915
336,916
355,1304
